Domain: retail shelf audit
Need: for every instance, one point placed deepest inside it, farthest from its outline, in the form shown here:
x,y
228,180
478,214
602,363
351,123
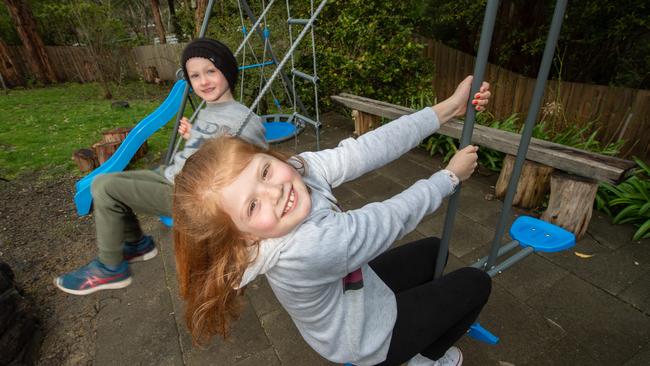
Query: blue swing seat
x,y
280,127
279,131
541,235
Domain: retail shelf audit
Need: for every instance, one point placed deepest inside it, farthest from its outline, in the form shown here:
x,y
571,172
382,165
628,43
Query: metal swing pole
x,y
470,117
285,79
535,104
172,140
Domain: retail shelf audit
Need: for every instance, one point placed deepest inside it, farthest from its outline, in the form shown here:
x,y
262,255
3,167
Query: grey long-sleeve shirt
x,y
319,271
214,120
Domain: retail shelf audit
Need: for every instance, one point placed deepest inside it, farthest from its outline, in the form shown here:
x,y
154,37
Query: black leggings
x,y
432,315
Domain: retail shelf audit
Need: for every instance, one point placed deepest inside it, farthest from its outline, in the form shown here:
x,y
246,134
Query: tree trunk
x,y
37,58
8,68
201,6
571,203
160,29
173,28
533,184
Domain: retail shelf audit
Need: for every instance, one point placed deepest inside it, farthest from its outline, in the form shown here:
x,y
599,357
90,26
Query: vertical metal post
x,y
466,137
538,94
186,92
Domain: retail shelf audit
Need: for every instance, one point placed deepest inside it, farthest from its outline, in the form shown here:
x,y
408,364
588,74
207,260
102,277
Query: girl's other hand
x,y
464,162
184,128
461,94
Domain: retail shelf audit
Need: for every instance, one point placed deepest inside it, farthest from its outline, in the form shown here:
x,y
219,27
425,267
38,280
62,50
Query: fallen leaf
x,y
583,255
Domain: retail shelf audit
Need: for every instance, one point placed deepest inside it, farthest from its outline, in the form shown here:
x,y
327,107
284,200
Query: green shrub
x,y
366,47
629,202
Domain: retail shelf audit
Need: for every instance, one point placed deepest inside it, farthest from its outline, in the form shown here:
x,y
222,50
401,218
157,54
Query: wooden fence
x,y
76,64
618,113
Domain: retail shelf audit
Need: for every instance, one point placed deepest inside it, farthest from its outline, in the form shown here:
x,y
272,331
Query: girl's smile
x,y
267,199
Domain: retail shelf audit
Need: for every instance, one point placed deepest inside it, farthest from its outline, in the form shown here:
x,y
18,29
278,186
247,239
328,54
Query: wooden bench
x,y
571,174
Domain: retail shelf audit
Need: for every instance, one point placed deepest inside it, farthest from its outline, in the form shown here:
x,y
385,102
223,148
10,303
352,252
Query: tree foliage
x,y
366,47
602,42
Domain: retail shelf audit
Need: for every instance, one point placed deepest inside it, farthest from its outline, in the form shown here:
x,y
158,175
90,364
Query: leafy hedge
x,y
366,47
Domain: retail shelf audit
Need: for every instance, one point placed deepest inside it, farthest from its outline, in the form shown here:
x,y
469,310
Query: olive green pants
x,y
117,197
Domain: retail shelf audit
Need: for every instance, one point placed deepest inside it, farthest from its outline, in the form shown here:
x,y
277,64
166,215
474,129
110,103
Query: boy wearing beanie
x,y
211,69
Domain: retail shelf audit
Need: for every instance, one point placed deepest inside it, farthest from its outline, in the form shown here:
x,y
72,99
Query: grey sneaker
x,y
453,357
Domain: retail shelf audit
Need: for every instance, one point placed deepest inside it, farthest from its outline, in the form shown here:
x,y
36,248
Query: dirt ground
x,y
41,237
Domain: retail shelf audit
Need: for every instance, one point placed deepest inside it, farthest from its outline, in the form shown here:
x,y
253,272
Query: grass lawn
x,y
42,127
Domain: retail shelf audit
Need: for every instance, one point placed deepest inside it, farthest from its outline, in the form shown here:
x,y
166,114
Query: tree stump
x,y
571,203
115,135
118,135
86,160
533,184
150,75
104,150
364,122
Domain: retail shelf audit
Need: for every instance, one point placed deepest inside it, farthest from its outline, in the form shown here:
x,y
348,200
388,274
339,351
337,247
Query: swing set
x,y
528,233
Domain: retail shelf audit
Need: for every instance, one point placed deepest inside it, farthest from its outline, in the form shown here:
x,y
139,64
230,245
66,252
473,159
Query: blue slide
x,y
138,135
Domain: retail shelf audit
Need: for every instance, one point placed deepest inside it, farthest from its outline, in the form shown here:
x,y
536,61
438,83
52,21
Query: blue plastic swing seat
x,y
541,235
279,131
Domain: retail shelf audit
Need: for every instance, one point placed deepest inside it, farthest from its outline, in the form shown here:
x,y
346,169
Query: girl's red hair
x,y
211,253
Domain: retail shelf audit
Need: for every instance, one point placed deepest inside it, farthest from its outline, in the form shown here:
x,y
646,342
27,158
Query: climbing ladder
x,y
282,126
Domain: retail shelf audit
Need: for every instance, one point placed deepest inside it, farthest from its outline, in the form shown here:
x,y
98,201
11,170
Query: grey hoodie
x,y
214,120
319,271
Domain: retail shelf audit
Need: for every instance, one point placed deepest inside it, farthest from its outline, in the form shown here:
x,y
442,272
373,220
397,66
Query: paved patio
x,y
555,309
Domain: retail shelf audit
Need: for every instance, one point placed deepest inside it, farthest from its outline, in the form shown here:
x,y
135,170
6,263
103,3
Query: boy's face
x,y
268,198
207,81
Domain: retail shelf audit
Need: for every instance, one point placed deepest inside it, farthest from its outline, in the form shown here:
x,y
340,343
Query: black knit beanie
x,y
215,51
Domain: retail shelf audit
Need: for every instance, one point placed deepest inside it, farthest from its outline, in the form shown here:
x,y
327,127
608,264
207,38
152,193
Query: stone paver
x,y
549,309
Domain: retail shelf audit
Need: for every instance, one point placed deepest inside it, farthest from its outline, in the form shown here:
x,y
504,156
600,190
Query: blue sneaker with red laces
x,y
143,250
94,276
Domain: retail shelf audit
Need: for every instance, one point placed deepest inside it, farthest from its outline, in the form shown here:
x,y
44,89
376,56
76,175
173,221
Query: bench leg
x,y
571,202
364,122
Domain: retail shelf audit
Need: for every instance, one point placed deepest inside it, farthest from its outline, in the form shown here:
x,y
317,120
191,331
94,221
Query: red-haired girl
x,y
240,211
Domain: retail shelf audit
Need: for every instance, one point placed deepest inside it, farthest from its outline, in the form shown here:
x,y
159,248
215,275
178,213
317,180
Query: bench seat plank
x,y
599,167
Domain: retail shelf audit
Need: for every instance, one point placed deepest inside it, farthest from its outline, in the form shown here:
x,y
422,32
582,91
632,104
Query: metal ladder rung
x,y
302,75
297,21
